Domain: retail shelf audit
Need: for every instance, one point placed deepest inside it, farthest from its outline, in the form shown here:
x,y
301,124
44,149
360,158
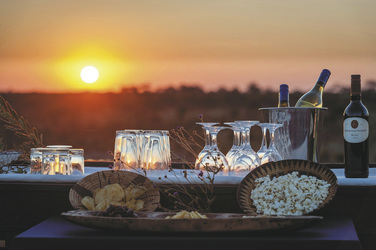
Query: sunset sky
x,y
44,44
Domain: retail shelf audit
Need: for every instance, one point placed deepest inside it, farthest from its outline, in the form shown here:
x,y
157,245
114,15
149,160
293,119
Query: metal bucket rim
x,y
297,108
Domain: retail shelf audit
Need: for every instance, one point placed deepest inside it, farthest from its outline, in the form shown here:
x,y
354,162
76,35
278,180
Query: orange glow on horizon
x,y
67,69
45,44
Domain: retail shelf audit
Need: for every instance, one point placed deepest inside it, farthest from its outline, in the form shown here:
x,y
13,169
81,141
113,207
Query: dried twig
x,y
20,126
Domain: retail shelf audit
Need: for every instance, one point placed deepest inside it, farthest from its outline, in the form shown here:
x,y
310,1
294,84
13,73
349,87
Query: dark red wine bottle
x,y
356,133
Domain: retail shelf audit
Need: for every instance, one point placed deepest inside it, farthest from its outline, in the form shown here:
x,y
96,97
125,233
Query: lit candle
x,y
57,164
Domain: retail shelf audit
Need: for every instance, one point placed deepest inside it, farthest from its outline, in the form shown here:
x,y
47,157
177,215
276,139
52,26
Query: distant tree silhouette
x,y
90,120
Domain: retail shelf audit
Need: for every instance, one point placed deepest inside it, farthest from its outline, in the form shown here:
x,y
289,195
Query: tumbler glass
x,y
127,151
155,150
36,160
77,161
56,161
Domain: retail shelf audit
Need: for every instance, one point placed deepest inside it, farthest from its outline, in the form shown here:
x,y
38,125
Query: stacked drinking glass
x,y
142,150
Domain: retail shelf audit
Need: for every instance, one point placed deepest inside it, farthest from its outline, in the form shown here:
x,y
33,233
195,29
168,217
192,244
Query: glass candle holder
x,y
77,161
56,161
36,160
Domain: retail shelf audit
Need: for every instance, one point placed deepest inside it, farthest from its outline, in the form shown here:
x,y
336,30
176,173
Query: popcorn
x,y
289,194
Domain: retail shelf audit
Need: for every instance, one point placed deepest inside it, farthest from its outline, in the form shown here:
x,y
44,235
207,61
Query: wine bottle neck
x,y
283,98
323,78
356,97
355,89
320,84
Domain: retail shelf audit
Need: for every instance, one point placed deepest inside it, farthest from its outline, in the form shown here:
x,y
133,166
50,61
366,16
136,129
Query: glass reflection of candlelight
x,y
57,160
131,164
56,164
157,165
154,164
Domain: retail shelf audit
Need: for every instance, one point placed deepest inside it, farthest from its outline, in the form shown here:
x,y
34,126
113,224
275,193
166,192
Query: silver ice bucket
x,y
299,138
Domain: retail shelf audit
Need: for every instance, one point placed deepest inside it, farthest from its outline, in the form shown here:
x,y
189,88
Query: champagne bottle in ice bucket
x,y
313,98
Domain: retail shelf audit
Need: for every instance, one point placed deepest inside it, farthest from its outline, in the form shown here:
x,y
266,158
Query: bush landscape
x,y
90,120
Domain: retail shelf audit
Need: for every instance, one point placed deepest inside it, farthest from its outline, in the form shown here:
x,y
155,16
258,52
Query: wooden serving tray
x,y
216,222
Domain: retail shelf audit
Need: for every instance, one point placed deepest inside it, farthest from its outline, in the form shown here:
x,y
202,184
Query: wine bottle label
x,y
355,129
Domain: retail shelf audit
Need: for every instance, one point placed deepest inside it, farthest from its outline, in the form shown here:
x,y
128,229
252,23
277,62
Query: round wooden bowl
x,y
88,184
279,168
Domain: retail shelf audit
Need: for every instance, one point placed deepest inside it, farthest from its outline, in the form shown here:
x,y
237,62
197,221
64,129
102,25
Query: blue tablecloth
x,y
56,233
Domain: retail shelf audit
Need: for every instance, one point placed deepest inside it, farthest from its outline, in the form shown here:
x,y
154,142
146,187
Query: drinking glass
x,y
236,142
246,158
56,161
213,159
76,157
207,138
156,150
264,147
167,146
129,154
77,161
272,153
36,160
127,151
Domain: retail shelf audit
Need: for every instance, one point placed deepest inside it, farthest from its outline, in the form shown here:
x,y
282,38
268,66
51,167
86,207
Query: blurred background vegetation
x,y
90,120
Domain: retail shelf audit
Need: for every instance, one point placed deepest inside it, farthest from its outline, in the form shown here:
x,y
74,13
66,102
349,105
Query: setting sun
x,y
89,74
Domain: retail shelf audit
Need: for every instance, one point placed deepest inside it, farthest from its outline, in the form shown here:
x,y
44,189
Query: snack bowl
x,y
281,168
88,185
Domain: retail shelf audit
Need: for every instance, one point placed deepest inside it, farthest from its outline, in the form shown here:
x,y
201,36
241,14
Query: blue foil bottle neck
x,y
324,76
283,92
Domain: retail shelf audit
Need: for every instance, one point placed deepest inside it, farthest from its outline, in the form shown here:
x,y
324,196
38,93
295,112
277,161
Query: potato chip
x,y
116,195
114,192
88,202
139,205
117,203
135,204
101,206
100,195
187,215
130,203
133,192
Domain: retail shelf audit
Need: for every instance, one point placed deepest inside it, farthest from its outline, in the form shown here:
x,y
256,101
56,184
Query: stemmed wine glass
x,y
246,158
264,147
236,142
207,138
213,159
272,153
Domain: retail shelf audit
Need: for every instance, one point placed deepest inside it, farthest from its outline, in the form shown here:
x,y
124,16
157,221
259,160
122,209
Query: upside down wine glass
x,y
246,158
272,153
264,147
236,142
213,159
207,139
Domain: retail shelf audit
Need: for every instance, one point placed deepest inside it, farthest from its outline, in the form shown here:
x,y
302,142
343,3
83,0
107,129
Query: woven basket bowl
x,y
88,184
279,168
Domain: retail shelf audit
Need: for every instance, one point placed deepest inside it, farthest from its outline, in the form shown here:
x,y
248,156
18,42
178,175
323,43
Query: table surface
x,y
173,177
57,233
